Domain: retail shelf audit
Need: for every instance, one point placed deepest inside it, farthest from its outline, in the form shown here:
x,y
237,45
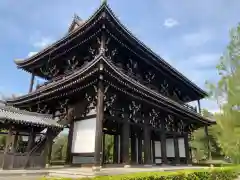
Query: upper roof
x,y
17,116
78,26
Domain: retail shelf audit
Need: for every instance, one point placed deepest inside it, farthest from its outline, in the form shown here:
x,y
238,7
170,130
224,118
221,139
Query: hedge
x,y
204,174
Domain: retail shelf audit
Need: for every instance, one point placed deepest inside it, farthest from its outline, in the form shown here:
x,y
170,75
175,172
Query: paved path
x,y
21,178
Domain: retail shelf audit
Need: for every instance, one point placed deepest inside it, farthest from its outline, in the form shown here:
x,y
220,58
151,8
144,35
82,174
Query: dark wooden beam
x,y
133,149
99,123
139,148
176,150
208,142
199,106
147,143
187,149
125,132
115,149
31,82
69,145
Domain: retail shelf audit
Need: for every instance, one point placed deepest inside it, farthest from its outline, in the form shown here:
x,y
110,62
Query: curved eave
x,y
156,57
21,63
155,95
55,86
142,47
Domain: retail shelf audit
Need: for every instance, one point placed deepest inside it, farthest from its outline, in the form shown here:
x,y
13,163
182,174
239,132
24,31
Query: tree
x,y
59,148
199,142
227,93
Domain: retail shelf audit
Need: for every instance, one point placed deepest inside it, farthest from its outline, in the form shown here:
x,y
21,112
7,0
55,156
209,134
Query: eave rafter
x,y
104,12
149,95
140,91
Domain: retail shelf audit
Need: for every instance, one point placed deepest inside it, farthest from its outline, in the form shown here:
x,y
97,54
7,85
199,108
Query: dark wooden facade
x,y
101,71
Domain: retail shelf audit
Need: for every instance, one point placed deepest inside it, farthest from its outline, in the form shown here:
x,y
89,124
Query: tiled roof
x,y
17,116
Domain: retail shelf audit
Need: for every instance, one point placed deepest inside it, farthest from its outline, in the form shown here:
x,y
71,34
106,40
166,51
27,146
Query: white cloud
x,y
207,60
42,42
169,23
31,54
196,39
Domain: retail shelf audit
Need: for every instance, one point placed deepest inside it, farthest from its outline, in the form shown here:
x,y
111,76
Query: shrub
x,y
228,173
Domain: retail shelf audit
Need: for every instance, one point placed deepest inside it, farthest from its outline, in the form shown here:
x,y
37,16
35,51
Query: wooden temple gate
x,y
102,80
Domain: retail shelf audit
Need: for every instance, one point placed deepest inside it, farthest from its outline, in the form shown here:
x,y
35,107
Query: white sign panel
x,y
170,148
158,149
181,145
84,136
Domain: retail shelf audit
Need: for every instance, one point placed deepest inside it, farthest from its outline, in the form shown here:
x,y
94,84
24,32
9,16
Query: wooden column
x,y
176,149
69,144
31,82
125,131
187,150
14,142
103,149
115,149
208,142
163,142
153,152
199,107
139,148
163,148
147,143
99,123
8,145
48,144
133,149
31,141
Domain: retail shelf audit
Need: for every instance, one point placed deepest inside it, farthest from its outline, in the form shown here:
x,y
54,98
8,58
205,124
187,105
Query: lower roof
x,y
16,116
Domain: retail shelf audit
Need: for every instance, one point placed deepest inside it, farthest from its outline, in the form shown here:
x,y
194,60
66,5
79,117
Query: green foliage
x,y
199,142
204,174
59,148
227,94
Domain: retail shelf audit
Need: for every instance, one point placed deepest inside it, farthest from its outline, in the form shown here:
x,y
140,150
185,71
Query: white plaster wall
x,y
84,136
158,149
158,161
181,145
170,148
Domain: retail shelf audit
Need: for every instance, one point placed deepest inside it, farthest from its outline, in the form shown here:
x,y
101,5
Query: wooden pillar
x,y
153,152
8,145
208,142
31,82
139,148
163,142
176,149
99,123
103,149
125,131
187,150
69,144
14,142
133,149
48,144
115,149
199,107
147,143
31,141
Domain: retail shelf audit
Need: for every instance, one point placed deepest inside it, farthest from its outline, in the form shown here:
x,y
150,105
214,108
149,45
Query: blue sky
x,y
189,34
